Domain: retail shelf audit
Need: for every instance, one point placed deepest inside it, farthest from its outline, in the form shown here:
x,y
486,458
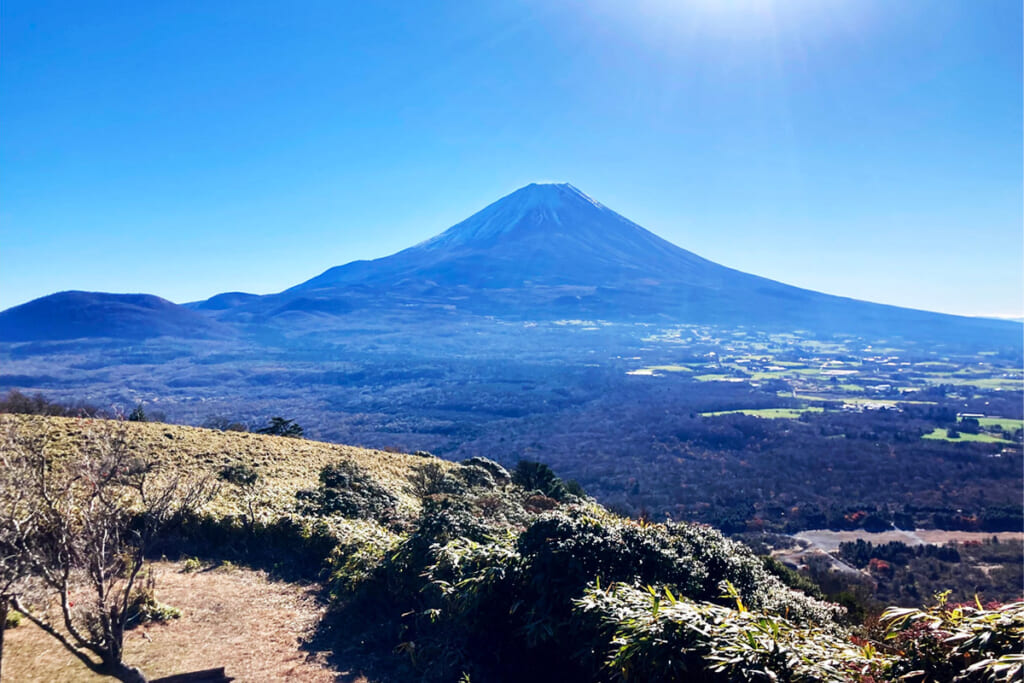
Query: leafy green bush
x,y
725,559
143,607
653,635
240,474
192,564
574,488
791,578
362,547
509,600
432,479
498,473
536,476
347,490
956,643
476,477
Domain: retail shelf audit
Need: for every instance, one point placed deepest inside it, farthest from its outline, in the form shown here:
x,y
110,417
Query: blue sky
x,y
869,149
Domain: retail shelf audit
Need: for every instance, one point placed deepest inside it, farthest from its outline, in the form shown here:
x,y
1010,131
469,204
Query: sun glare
x,y
736,19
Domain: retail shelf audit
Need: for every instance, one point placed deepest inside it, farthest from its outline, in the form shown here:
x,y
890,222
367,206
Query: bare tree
x,y
17,526
97,509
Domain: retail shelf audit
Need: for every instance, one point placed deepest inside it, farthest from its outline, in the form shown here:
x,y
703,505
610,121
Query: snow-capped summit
x,y
536,206
543,251
549,250
551,234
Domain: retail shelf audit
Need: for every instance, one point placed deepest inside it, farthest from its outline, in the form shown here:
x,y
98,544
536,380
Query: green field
x,y
1007,423
718,377
853,400
1005,383
759,374
770,413
940,434
654,369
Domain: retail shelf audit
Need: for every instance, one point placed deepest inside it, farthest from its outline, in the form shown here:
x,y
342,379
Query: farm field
x,y
942,435
769,413
1005,423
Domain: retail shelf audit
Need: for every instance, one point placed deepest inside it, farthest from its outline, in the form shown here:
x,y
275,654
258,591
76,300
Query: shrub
x,y
791,578
956,643
574,488
279,426
509,601
538,503
498,473
431,479
653,635
476,476
17,402
143,607
536,476
347,490
361,548
725,559
240,474
192,564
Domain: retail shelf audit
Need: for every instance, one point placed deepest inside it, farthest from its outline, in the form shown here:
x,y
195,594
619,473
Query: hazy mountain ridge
x,y
79,315
545,251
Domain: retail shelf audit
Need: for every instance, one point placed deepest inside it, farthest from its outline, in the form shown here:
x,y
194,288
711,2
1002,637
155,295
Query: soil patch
x,y
233,617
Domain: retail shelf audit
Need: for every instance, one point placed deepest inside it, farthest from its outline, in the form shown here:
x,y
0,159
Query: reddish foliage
x,y
879,566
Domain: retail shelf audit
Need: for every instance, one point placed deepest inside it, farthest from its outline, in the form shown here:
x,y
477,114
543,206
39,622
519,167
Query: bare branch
x,y
45,626
92,512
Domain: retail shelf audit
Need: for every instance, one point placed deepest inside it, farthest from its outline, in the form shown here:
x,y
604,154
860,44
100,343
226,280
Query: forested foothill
x,y
745,430
907,574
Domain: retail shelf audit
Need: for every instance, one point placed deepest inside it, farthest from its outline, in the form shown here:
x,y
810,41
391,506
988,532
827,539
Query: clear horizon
x,y
862,149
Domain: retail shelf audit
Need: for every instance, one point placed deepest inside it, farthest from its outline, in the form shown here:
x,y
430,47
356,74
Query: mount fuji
x,y
549,251
545,251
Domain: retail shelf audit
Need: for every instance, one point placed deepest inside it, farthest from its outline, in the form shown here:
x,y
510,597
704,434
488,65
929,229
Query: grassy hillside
x,y
284,465
437,571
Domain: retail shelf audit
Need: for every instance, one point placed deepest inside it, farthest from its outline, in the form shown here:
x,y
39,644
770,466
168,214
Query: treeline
x,y
651,451
860,553
909,575
18,403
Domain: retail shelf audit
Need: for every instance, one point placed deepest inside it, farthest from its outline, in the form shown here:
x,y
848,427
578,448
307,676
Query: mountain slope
x,y
550,251
542,252
539,235
77,315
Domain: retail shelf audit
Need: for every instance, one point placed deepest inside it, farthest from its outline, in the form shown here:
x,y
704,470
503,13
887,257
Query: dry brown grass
x,y
236,618
286,465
